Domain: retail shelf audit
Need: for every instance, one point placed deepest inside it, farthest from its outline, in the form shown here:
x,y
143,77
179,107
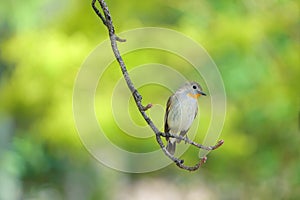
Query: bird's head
x,y
195,90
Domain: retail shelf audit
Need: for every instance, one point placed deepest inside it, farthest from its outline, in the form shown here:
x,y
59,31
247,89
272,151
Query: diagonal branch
x,y
107,21
208,148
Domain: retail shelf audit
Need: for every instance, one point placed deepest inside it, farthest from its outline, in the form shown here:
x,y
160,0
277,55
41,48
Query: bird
x,y
181,110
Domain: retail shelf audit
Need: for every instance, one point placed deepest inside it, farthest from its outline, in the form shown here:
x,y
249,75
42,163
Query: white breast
x,y
182,113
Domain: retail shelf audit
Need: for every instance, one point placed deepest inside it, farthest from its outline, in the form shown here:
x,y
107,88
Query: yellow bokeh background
x,y
255,45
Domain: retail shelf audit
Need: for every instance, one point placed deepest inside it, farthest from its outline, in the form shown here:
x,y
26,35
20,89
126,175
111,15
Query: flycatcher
x,y
182,108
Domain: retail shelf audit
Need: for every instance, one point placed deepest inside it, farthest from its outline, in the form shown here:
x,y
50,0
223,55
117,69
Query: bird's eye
x,y
194,87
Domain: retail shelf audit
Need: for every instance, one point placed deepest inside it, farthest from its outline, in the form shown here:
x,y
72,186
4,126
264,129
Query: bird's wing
x,y
167,128
196,112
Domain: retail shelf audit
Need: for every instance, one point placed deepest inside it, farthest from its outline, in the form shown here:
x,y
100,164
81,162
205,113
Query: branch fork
x,y
107,21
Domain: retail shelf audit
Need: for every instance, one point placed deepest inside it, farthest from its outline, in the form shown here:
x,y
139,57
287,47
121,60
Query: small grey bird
x,y
181,110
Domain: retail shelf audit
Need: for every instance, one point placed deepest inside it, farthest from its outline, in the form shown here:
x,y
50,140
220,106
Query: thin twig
x,y
107,21
208,148
98,12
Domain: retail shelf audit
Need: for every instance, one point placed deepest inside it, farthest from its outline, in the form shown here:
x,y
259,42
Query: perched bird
x,y
181,110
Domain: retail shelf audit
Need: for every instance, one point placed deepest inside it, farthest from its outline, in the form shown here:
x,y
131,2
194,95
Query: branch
x,y
107,21
208,148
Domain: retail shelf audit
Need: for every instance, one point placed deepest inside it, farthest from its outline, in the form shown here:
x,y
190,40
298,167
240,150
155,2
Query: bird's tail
x,y
171,146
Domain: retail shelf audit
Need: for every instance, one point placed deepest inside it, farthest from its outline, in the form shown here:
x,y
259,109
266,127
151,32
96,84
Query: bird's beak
x,y
202,93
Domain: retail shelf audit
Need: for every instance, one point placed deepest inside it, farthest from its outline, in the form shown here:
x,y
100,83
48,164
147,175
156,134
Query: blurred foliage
x,y
255,44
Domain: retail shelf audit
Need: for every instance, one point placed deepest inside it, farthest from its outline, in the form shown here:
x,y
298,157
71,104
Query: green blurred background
x,y
254,43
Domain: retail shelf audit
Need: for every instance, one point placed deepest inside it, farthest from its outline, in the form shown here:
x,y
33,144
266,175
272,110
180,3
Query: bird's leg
x,y
186,137
167,135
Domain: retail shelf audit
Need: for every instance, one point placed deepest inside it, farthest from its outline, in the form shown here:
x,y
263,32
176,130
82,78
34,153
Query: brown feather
x,y
167,128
